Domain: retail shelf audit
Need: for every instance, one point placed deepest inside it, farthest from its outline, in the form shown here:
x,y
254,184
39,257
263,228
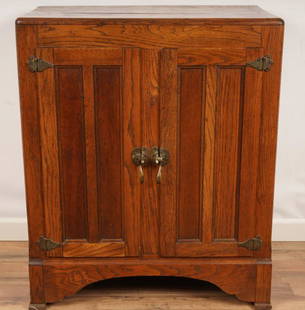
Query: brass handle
x,y
160,158
140,157
141,173
159,175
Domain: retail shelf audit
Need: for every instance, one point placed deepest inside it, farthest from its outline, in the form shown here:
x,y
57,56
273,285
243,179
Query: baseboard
x,y
283,229
13,228
288,229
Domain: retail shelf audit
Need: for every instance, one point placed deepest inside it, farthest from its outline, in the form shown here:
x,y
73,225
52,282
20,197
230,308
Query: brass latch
x,y
38,65
160,157
47,244
261,64
253,244
142,156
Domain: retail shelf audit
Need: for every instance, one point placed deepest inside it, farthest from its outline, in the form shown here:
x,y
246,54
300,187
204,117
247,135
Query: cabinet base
x,y
249,279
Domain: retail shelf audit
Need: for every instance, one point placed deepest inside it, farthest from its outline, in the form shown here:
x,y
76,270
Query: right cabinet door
x,y
210,103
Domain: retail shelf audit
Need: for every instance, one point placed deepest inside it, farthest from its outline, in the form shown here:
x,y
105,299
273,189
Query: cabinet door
x,y
90,122
209,122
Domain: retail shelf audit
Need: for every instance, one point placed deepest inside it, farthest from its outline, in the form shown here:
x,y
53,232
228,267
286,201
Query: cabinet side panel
x,y
26,43
71,143
227,152
107,86
190,152
272,43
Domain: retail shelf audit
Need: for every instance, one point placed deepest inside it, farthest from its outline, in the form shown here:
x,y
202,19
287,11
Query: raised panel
x,y
108,120
190,161
71,144
228,129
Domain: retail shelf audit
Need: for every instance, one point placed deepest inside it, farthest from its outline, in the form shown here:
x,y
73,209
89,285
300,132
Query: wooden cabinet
x,y
149,139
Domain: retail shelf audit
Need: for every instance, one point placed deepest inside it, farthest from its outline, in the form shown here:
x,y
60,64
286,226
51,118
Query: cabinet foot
x,y
261,306
37,306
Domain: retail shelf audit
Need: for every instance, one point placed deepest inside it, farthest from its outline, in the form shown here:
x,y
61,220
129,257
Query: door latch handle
x,y
141,173
160,158
159,175
140,156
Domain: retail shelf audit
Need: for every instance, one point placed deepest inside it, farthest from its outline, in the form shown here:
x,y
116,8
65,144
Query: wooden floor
x,y
156,293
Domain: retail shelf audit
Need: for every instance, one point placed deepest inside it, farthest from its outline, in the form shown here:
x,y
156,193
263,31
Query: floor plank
x,y
288,292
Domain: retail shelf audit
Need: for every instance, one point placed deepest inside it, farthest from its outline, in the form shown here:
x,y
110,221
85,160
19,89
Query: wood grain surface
x,y
144,80
71,150
51,182
132,139
190,152
208,216
168,140
31,137
272,42
108,130
150,137
149,36
227,152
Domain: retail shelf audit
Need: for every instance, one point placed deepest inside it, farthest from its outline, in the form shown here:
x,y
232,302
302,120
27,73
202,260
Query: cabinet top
x,y
149,14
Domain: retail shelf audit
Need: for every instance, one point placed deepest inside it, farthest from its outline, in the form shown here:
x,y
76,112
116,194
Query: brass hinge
x,y
47,244
38,65
253,244
261,64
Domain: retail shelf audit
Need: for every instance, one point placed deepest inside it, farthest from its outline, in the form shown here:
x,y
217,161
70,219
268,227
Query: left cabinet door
x,y
89,104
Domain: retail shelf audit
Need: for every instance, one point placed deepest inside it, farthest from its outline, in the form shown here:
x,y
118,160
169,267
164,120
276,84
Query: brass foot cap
x,y
261,306
37,306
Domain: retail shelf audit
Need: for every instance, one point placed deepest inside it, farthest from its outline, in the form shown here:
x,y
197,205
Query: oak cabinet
x,y
149,139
